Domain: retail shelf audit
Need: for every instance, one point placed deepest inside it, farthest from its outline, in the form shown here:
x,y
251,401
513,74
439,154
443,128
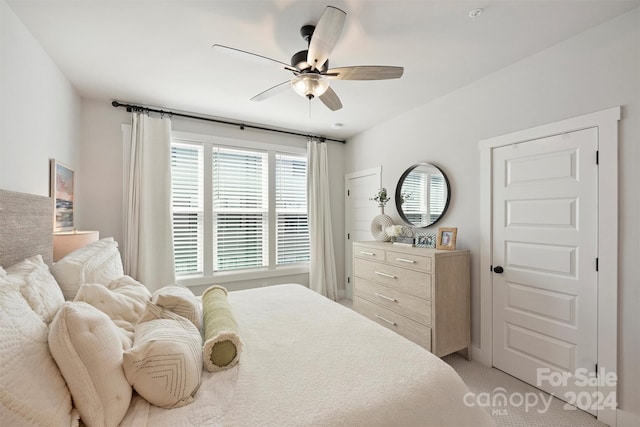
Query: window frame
x,y
208,275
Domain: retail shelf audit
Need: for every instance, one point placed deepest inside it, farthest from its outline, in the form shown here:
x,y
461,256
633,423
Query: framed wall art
x,y
447,238
62,195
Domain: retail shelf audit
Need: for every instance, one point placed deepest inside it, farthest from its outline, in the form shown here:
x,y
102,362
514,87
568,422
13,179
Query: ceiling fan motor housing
x,y
299,61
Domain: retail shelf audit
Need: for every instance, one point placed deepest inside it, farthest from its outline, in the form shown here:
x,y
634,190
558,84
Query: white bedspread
x,y
310,362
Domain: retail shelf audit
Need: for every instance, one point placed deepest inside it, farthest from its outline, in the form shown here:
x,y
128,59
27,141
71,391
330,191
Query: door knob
x,y
498,269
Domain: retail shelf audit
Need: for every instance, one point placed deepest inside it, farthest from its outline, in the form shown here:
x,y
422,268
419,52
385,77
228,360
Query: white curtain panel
x,y
148,251
322,267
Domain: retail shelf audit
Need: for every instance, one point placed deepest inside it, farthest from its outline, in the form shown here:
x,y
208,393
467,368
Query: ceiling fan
x,y
311,67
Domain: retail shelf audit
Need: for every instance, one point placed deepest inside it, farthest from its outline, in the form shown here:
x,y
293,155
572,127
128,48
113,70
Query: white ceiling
x,y
158,53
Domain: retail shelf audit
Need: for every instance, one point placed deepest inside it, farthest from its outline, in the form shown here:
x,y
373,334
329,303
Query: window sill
x,y
237,276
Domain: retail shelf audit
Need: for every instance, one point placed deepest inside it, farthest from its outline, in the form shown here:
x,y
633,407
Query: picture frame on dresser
x,y
446,239
425,240
62,177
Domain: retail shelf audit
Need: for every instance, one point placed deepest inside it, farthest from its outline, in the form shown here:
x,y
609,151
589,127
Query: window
x,y
237,208
291,210
426,196
188,214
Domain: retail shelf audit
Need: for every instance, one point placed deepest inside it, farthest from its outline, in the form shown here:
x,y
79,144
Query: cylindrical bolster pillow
x,y
222,344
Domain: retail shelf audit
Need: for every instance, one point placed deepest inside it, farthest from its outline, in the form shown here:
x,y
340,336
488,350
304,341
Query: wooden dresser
x,y
422,294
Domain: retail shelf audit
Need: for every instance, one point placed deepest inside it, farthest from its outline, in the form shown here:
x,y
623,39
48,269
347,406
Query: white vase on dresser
x,y
422,294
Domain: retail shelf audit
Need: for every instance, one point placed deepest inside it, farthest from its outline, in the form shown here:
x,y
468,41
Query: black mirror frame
x,y
398,197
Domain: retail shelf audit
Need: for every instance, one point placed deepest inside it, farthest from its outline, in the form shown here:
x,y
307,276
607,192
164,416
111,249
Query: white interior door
x,y
545,204
359,211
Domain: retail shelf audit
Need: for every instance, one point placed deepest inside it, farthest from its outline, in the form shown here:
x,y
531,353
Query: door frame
x,y
348,271
607,123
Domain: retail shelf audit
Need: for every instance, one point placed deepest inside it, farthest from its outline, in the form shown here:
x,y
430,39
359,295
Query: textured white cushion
x,y
130,287
121,301
87,346
165,363
32,390
37,286
180,300
98,262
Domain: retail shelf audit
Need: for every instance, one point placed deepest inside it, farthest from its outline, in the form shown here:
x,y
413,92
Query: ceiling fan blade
x,y
331,100
279,88
325,36
243,54
366,72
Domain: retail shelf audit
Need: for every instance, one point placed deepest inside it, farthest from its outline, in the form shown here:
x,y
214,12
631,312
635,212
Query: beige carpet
x,y
483,382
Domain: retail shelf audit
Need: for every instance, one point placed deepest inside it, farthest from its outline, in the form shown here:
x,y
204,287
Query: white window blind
x,y
415,203
236,208
424,193
187,194
292,234
437,196
240,209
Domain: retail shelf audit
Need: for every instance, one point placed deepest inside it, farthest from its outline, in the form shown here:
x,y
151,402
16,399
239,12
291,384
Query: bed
x,y
306,361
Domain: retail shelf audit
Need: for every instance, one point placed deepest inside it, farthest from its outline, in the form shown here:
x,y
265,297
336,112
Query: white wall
x,y
597,69
39,109
100,199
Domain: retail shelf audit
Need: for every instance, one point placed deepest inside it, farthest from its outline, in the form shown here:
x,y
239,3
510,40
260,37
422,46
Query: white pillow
x,y
121,308
98,262
37,286
87,347
32,390
181,301
130,287
165,363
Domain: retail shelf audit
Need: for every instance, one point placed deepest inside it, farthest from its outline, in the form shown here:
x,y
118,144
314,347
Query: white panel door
x,y
545,241
359,211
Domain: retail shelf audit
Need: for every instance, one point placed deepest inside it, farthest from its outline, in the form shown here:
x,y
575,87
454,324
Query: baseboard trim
x,y
480,356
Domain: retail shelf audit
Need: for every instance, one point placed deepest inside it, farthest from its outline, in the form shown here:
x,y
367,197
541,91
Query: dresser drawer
x,y
368,253
414,331
412,282
415,262
415,308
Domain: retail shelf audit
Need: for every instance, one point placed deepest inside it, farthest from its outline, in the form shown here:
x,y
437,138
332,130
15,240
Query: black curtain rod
x,y
140,108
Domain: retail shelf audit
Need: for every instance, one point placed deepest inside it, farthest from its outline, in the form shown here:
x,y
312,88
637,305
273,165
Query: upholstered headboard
x,y
26,227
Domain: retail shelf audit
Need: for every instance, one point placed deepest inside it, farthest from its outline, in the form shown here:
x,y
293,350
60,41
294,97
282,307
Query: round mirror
x,y
422,195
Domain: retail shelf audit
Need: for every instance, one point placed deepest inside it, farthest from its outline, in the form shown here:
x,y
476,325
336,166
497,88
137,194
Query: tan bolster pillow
x,y
222,343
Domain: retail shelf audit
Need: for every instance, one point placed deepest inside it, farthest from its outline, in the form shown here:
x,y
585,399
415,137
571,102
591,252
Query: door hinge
x,y
597,266
348,192
596,370
348,236
349,281
597,157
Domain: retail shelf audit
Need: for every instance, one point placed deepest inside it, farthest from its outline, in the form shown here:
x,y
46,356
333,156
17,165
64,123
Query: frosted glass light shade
x,y
68,241
310,85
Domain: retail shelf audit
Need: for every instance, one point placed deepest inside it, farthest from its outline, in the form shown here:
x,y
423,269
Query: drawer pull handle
x,y
390,276
410,261
386,320
386,297
367,253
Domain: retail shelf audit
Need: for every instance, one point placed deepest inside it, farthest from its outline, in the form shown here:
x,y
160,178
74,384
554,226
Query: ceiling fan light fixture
x,y
310,85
